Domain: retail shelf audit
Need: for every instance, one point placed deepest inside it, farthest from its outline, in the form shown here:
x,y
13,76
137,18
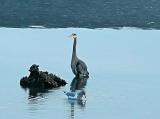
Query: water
x,y
84,14
123,65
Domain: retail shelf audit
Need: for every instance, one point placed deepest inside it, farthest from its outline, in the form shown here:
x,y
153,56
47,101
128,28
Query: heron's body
x,y
79,68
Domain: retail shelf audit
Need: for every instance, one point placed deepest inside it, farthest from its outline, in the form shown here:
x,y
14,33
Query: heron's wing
x,y
84,66
81,66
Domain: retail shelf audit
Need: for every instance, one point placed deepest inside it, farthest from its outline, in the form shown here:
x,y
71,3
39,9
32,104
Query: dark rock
x,y
41,79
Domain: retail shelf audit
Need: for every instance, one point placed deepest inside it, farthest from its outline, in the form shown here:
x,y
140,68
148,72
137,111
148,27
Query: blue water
x,y
124,70
143,14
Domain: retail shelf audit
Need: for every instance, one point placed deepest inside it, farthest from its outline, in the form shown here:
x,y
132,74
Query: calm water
x,y
124,68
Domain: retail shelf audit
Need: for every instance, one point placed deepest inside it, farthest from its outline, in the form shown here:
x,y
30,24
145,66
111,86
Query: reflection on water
x,y
78,86
38,97
36,92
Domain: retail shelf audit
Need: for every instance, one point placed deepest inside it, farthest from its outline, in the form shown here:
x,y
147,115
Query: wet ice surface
x,y
123,65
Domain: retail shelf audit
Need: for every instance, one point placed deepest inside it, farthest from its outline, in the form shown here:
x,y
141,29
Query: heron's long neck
x,y
74,55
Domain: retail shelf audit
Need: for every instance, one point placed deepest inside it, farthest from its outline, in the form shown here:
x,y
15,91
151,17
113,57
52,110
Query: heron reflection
x,y
77,93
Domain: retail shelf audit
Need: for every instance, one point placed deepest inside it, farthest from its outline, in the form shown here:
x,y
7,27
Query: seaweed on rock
x,y
41,79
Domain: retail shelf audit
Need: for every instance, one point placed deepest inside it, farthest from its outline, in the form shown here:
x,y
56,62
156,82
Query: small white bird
x,y
76,95
71,95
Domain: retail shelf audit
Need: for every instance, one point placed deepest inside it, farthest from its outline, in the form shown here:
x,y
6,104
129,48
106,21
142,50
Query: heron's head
x,y
73,36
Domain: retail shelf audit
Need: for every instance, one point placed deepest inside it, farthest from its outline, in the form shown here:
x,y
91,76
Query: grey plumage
x,y
79,68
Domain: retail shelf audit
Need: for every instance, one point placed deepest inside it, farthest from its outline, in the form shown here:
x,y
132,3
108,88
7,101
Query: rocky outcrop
x,y
41,79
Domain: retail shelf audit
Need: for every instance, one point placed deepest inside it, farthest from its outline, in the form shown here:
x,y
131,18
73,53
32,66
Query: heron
x,y
79,68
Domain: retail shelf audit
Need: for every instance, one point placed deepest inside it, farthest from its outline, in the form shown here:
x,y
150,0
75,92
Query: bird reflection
x,y
77,93
78,83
